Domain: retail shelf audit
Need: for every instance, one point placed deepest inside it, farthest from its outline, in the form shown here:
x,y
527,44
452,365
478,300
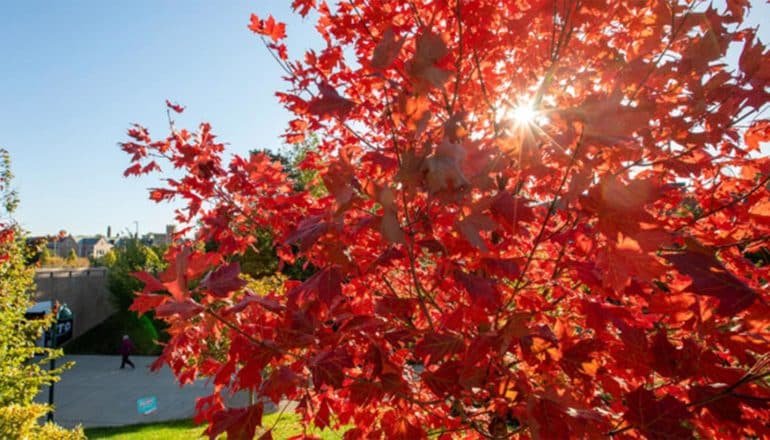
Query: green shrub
x,y
20,422
22,370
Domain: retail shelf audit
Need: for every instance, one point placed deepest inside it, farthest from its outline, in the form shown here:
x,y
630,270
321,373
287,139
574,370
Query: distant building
x,y
160,238
61,246
93,247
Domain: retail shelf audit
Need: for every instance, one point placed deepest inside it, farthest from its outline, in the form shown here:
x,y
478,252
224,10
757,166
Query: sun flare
x,y
524,114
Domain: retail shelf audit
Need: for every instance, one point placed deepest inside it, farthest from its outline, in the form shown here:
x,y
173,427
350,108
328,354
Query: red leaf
x,y
711,278
269,28
509,211
238,423
397,427
321,419
133,170
482,291
253,298
330,103
386,50
399,307
309,230
279,384
185,309
198,263
578,358
423,66
329,285
445,380
303,6
328,368
391,229
507,268
758,133
725,407
175,107
145,302
151,284
435,347
657,418
224,280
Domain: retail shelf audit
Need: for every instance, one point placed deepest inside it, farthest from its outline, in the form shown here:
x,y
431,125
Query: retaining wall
x,y
84,290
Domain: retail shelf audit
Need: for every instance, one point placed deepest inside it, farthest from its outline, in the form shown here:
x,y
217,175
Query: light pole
x,y
136,224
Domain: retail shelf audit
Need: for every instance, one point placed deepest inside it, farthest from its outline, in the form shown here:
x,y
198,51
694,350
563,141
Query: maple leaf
x,y
224,280
435,347
761,210
151,284
726,408
133,170
175,107
758,133
252,298
503,267
399,427
279,383
509,211
423,66
391,228
330,103
482,291
327,283
657,418
185,309
269,28
442,169
327,368
711,278
146,302
303,6
307,232
670,361
445,380
580,359
398,307
386,50
238,423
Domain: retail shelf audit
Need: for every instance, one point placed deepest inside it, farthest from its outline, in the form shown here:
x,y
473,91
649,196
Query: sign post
x,y
59,333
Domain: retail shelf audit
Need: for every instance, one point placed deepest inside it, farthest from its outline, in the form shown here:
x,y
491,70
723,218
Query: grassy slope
x,y
185,429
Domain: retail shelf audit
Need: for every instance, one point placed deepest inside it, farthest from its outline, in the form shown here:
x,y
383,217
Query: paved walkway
x,y
95,392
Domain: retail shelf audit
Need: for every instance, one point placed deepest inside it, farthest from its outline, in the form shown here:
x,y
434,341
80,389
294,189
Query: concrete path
x,y
95,392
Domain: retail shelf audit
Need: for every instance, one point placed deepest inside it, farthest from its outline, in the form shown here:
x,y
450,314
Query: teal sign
x,y
146,405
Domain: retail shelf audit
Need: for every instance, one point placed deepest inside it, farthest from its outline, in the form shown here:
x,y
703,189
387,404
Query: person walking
x,y
126,347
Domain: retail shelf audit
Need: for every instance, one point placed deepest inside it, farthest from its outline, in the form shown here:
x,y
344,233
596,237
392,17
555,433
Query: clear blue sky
x,y
75,74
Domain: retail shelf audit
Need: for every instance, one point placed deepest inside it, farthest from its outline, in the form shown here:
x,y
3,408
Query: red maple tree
x,y
536,222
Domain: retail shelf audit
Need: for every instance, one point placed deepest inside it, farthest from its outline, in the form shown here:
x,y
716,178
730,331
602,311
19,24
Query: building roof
x,y
90,241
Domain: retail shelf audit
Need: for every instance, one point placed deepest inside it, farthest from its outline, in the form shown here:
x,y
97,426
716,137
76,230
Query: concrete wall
x,y
84,290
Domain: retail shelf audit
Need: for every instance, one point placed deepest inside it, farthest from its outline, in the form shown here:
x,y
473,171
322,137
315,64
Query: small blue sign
x,y
146,405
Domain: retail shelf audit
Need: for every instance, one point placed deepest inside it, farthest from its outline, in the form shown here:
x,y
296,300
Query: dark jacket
x,y
126,346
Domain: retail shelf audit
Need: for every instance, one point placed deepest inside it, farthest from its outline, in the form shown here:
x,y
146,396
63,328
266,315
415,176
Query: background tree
x,y
22,365
534,224
72,258
130,257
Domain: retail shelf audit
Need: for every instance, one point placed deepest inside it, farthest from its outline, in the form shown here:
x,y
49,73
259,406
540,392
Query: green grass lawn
x,y
185,429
